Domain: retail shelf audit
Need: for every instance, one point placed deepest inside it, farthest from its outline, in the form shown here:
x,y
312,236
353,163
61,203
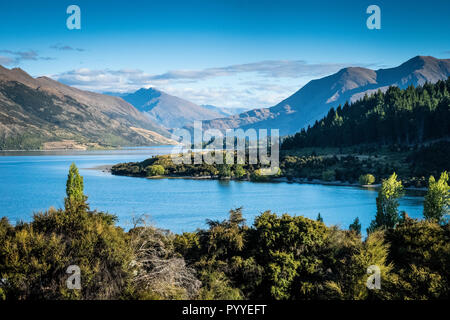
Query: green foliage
x,y
366,179
37,255
218,287
328,175
225,239
27,141
387,204
437,199
319,218
155,170
287,248
224,171
282,269
420,251
259,176
350,260
113,264
330,166
278,257
430,159
75,199
239,171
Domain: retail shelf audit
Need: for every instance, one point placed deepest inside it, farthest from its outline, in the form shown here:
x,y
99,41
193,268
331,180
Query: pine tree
x,y
319,218
355,226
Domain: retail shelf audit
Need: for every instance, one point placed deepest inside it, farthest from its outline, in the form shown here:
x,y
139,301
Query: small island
x,y
356,166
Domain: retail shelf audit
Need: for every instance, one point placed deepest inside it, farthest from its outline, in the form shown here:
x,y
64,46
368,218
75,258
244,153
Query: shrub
x,y
437,199
366,179
239,171
328,175
155,170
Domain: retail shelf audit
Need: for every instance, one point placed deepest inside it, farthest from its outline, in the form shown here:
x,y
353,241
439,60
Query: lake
x,y
35,181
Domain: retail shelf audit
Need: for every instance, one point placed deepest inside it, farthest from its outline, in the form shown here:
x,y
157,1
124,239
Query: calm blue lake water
x,y
34,181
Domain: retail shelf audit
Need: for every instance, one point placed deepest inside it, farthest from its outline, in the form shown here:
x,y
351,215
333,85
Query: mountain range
x,y
43,113
314,100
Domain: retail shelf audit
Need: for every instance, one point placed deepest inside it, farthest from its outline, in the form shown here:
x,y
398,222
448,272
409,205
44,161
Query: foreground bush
x,y
278,257
114,264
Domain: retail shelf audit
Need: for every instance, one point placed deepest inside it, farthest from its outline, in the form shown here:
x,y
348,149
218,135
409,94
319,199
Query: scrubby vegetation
x,y
166,167
349,165
278,257
366,179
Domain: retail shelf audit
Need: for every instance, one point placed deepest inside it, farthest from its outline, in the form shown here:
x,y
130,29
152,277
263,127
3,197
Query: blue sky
x,y
227,53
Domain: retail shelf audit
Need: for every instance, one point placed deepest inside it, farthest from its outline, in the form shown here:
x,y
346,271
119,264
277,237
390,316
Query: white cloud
x,y
63,47
6,60
270,68
256,84
16,57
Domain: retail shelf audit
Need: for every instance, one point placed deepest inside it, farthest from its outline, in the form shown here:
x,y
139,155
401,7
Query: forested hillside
x,y
408,116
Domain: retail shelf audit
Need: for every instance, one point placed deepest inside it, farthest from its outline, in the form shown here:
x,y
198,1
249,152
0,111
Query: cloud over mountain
x,y
242,85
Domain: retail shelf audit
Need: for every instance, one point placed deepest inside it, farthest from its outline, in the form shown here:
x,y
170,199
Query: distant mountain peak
x,y
168,110
145,94
148,90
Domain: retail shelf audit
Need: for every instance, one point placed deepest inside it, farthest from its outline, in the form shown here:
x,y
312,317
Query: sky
x,y
228,53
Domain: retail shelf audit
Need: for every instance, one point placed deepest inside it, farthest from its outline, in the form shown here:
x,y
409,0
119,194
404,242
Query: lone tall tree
x,y
75,198
387,204
437,199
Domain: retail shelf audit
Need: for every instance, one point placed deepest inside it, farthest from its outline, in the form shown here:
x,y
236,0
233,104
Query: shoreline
x,y
81,150
103,168
107,168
